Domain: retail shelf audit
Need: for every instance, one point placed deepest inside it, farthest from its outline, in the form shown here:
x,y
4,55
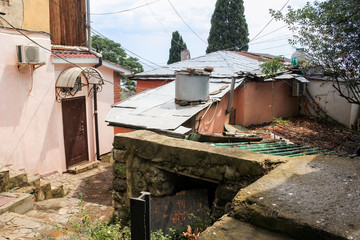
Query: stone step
x,y
44,191
33,181
57,191
4,180
228,228
83,167
17,179
15,202
19,226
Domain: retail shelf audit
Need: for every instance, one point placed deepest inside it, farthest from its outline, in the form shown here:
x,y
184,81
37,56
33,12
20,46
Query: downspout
x,y
96,115
96,123
228,110
88,24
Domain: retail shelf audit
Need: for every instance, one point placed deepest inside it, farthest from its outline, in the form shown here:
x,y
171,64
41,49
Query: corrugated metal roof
x,y
156,109
225,64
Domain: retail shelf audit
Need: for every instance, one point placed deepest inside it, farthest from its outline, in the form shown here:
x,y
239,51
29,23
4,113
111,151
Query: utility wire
x,y
177,13
126,10
162,25
268,22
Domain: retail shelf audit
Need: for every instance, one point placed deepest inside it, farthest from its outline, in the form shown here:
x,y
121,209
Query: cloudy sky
x,y
146,31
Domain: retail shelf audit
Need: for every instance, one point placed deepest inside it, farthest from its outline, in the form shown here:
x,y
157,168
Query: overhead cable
x,y
268,22
177,13
126,10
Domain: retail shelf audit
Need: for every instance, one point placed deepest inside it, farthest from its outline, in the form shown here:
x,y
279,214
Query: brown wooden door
x,y
75,130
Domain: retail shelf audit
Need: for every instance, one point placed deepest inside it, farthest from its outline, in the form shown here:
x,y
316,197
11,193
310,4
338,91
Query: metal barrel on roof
x,y
192,85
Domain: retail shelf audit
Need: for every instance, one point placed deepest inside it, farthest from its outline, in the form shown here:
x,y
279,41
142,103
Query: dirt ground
x,y
313,132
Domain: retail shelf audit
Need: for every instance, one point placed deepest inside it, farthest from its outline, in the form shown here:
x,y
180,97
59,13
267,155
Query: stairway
x,y
18,190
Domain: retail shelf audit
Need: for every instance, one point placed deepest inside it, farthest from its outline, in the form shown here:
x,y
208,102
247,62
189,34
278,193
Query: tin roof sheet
x,y
225,64
156,109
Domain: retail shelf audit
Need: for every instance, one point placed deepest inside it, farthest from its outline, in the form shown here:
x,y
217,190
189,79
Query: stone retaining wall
x,y
146,161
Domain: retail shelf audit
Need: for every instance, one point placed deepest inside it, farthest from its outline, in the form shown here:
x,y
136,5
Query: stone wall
x,y
146,161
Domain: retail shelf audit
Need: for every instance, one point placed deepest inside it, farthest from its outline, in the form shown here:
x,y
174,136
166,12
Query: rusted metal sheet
x,y
174,211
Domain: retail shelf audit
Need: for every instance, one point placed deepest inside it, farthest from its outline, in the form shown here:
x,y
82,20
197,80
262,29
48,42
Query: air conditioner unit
x,y
298,89
30,55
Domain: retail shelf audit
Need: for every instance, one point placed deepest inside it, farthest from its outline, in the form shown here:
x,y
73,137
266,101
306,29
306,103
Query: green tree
x,y
229,29
177,44
271,67
330,32
113,52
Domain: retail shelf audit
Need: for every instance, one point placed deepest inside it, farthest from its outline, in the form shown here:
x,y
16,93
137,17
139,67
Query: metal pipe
x,y
88,23
228,110
96,123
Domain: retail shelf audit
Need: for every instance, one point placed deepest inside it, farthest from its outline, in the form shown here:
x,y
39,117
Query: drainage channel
x,y
278,148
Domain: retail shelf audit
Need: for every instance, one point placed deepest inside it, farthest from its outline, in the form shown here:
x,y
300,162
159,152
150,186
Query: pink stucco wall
x,y
253,106
31,127
215,118
30,122
254,102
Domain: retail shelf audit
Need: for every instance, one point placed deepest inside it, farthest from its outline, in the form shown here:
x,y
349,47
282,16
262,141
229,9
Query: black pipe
x,y
96,115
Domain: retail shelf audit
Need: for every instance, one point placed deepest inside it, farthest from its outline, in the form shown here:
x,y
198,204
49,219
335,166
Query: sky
x,y
146,31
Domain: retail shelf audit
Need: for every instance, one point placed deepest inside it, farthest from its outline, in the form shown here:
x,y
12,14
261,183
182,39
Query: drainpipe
x,y
228,110
96,116
88,23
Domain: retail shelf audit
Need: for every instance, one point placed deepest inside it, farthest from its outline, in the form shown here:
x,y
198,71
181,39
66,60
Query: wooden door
x,y
75,130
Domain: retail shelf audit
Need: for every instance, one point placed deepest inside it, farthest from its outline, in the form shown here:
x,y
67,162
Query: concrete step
x,y
83,167
17,179
228,228
312,197
15,202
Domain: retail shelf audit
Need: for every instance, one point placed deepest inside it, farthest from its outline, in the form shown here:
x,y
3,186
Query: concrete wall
x,y
150,159
327,98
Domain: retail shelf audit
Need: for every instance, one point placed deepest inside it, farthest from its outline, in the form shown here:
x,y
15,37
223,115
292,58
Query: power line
x,y
274,47
179,44
177,13
268,22
272,40
126,10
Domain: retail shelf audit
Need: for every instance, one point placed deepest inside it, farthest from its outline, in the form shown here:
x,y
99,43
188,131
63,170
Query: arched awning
x,y
67,78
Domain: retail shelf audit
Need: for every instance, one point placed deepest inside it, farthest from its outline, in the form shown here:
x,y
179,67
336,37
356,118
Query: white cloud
x,y
139,31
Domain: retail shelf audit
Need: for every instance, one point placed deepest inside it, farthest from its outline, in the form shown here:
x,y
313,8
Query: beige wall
x,y
36,15
31,15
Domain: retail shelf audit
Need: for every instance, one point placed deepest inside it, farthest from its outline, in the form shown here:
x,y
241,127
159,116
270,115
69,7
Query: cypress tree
x,y
229,29
177,44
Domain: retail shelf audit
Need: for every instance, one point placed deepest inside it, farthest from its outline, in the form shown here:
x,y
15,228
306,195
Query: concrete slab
x,y
83,167
228,228
312,197
16,202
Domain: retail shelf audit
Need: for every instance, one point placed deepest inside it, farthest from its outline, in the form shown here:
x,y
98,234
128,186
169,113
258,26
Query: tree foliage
x,y
330,31
271,67
229,29
177,44
113,52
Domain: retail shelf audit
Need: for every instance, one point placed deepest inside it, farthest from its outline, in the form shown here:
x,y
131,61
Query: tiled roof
x,y
73,54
